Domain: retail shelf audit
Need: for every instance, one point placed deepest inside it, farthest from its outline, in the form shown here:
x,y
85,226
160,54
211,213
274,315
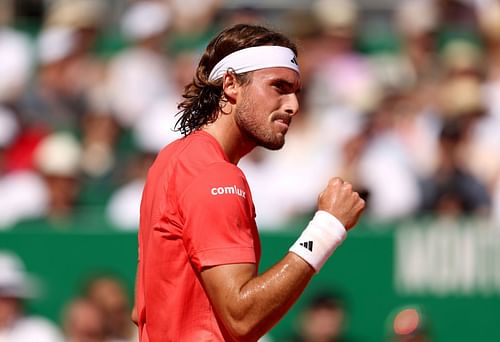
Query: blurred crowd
x,y
100,312
402,102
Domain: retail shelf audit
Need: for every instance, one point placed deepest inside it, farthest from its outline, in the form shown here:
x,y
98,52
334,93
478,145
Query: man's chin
x,y
273,145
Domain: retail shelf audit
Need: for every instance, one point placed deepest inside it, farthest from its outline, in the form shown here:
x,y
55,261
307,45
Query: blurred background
x,y
400,97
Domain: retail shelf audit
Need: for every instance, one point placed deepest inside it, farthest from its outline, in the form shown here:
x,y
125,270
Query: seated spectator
x,y
22,192
109,295
453,191
15,289
323,320
455,188
141,74
58,160
15,63
83,322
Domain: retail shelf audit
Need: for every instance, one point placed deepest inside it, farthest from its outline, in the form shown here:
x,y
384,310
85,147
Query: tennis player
x,y
199,247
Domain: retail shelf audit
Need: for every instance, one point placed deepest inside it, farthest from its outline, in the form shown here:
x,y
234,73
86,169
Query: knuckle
x,y
336,181
347,186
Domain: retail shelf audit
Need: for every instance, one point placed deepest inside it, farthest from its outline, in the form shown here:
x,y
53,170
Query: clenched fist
x,y
341,201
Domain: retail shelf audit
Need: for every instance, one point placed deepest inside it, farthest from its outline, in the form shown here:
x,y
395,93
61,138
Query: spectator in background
x,y
100,156
22,191
109,296
380,153
416,21
15,60
85,19
487,134
67,67
453,189
141,74
49,102
58,160
57,163
194,23
15,288
343,79
323,320
83,322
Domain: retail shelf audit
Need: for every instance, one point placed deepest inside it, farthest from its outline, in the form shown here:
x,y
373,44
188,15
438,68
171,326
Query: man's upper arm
x,y
223,281
219,227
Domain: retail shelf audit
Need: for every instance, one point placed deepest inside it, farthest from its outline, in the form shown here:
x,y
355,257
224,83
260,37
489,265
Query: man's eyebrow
x,y
286,83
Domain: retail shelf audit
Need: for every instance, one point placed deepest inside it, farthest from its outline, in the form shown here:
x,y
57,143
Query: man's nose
x,y
292,104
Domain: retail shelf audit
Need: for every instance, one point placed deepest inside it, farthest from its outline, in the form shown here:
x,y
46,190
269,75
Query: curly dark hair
x,y
203,98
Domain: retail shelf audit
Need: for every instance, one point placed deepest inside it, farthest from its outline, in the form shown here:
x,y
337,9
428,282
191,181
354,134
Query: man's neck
x,y
230,138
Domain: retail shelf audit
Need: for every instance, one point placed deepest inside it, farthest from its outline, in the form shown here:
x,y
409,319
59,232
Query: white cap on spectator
x,y
193,15
145,19
55,44
336,14
415,17
461,95
8,127
14,281
58,155
76,13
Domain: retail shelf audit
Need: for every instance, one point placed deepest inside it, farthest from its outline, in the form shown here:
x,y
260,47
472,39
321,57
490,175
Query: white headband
x,y
255,58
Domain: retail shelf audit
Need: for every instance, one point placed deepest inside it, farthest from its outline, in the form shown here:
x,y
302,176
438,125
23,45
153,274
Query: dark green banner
x,y
451,271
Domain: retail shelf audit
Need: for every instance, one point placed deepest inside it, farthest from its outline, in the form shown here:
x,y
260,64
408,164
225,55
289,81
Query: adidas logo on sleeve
x,y
307,244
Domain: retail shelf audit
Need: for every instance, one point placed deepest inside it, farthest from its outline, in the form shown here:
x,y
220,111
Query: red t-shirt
x,y
196,211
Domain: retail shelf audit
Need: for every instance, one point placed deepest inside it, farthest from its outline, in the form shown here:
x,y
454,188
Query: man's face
x,y
266,106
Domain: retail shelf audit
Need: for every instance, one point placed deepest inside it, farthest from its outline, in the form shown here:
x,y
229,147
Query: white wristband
x,y
318,241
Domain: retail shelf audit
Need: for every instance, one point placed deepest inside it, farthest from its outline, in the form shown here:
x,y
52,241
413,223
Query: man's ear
x,y
230,87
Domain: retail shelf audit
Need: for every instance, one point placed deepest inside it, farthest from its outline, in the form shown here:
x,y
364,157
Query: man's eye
x,y
280,88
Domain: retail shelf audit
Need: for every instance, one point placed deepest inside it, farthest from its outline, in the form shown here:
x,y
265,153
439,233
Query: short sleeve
x,y
219,225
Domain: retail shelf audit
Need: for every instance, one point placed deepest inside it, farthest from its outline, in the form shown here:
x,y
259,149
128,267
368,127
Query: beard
x,y
257,129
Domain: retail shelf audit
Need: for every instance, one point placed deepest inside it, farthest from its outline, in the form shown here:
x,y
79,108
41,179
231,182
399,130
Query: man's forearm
x,y
268,297
253,308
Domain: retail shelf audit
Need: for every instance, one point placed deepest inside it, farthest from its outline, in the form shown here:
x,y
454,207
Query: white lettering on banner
x,y
228,190
447,259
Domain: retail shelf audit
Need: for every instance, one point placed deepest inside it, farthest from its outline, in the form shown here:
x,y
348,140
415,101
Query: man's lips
x,y
283,124
283,120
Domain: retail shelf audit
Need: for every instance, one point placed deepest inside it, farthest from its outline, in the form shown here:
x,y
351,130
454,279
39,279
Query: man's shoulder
x,y
197,152
194,160
193,146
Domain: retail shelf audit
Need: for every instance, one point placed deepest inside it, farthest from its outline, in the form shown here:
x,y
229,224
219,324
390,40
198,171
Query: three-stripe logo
x,y
307,244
